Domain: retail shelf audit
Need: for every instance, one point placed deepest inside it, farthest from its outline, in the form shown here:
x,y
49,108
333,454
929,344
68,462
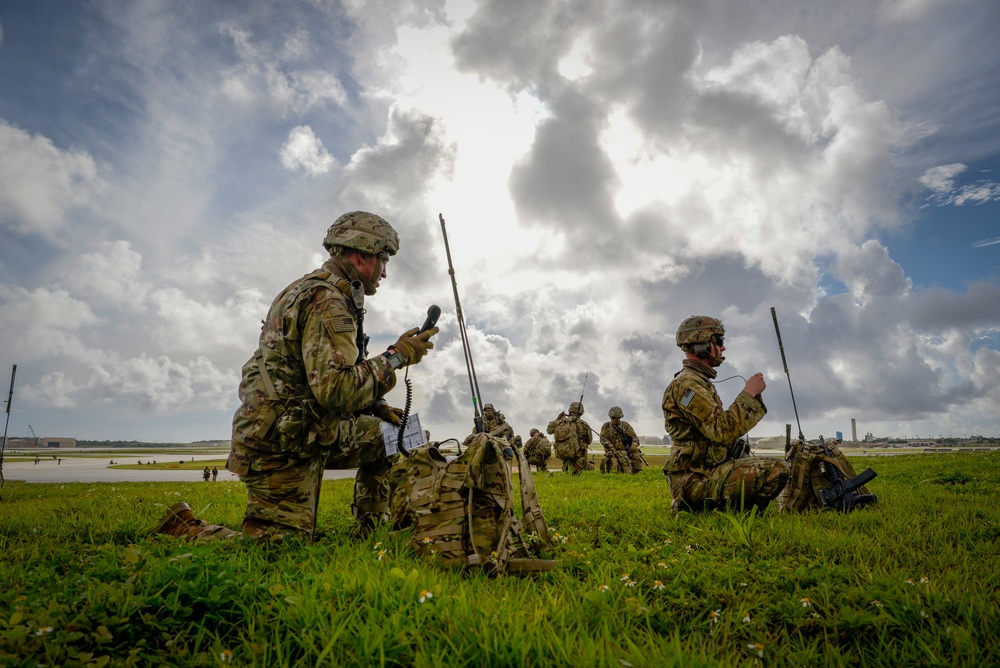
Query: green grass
x,y
913,581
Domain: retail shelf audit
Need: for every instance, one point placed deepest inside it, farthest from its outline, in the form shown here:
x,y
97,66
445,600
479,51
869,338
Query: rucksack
x,y
461,510
565,446
821,476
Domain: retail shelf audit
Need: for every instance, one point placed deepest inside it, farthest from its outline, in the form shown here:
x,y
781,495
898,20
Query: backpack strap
x,y
531,507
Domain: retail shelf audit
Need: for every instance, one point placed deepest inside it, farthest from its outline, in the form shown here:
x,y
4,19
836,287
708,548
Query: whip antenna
x,y
774,316
470,367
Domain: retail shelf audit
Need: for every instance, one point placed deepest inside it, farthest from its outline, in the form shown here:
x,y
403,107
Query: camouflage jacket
x,y
696,421
572,436
612,439
498,427
315,384
537,449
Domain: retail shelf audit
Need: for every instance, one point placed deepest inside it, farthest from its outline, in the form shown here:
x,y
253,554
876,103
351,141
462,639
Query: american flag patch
x,y
686,399
341,323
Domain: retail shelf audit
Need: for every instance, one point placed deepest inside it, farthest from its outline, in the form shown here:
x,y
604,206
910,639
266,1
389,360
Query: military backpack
x,y
461,510
820,477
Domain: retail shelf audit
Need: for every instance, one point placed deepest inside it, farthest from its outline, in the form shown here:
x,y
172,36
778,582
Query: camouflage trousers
x,y
616,461
541,465
575,465
283,488
748,482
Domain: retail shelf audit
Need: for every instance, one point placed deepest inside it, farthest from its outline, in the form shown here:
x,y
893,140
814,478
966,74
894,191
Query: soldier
x,y
702,468
206,474
215,473
619,441
311,396
495,424
538,450
572,436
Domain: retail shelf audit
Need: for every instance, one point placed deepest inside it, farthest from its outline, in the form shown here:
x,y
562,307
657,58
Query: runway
x,y
97,468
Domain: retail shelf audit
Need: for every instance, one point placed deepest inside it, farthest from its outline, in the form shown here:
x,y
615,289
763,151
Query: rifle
x,y
477,415
627,440
844,494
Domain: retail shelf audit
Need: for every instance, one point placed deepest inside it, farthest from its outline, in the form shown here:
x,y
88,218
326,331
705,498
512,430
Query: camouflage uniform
x,y
538,450
572,436
699,469
495,424
618,456
310,398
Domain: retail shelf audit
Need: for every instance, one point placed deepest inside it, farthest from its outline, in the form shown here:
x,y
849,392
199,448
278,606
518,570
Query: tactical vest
x,y
461,512
295,416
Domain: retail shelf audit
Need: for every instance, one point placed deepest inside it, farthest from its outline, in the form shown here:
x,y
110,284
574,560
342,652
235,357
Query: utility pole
x,y
3,444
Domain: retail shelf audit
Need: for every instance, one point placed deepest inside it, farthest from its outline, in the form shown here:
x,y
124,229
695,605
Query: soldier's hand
x,y
755,386
390,414
412,346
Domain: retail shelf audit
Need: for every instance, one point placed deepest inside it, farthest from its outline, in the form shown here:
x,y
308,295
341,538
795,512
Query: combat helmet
x,y
488,407
576,408
362,231
616,412
698,329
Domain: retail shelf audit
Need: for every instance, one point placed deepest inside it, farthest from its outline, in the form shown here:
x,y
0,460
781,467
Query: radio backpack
x,y
462,511
822,477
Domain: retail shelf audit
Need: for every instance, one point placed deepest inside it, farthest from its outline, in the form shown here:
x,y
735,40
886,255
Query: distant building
x,y
57,442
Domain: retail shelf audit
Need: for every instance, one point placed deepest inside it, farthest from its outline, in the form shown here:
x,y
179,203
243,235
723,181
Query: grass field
x,y
913,581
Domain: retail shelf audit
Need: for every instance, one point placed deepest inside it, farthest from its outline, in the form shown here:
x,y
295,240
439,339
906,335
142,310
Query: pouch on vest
x,y
809,478
462,511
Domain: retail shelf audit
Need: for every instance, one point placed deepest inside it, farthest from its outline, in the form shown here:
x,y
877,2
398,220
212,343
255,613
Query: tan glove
x,y
390,414
412,346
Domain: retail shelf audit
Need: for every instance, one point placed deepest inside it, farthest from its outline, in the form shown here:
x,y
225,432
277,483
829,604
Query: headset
x,y
703,349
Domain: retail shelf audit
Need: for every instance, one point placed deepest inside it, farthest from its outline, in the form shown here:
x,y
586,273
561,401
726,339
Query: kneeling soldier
x,y
703,468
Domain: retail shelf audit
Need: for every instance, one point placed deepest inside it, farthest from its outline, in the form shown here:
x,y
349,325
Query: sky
x,y
605,170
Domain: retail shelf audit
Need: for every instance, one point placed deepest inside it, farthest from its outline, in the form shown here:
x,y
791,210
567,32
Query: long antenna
x,y
10,398
584,388
774,316
470,367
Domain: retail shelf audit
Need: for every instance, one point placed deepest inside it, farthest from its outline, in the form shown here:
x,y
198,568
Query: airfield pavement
x,y
95,468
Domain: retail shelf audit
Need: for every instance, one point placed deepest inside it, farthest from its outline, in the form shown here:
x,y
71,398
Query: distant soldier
x,y
538,450
572,436
704,468
215,473
206,474
619,440
495,424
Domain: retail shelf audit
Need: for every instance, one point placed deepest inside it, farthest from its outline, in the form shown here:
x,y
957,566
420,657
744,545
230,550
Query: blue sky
x,y
166,168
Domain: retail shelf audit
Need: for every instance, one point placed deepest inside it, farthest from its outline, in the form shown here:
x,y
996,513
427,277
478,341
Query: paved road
x,y
97,469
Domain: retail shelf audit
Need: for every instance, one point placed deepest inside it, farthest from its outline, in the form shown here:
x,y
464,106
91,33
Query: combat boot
x,y
179,522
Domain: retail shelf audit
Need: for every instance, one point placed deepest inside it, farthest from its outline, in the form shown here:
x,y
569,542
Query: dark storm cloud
x,y
566,179
391,179
937,308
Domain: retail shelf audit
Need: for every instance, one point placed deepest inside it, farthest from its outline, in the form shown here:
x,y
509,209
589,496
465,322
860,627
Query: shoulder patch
x,y
687,397
341,323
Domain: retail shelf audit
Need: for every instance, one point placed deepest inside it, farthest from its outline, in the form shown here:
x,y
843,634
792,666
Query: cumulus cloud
x,y
156,386
304,149
270,74
41,184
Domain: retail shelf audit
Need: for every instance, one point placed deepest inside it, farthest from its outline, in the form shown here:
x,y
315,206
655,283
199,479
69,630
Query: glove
x,y
412,346
384,411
